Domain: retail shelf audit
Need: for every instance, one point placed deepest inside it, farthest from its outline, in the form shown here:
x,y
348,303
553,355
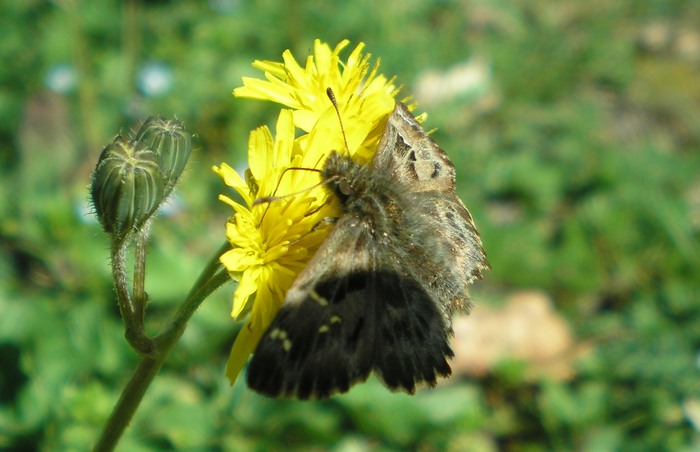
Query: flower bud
x,y
171,143
127,186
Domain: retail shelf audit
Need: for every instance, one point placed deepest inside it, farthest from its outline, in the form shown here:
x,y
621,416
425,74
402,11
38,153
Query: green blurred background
x,y
575,129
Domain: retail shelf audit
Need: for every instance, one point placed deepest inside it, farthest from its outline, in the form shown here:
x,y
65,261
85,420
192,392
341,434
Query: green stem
x,y
139,292
135,332
213,277
128,402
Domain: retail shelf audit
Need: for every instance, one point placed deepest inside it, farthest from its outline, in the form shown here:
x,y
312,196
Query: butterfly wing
x,y
350,311
318,343
406,154
415,161
414,346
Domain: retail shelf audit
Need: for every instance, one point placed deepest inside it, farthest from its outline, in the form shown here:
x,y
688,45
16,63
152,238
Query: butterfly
x,y
379,294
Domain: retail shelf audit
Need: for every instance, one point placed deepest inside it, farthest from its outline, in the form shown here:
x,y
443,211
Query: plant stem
x,y
129,401
135,332
138,291
211,278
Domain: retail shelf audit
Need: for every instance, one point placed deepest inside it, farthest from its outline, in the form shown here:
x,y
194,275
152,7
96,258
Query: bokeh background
x,y
575,129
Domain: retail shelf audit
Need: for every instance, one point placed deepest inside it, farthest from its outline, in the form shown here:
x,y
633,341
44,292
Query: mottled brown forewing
x,y
379,293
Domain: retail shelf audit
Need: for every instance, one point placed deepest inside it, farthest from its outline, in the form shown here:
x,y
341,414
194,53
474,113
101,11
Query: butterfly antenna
x,y
268,199
273,197
331,96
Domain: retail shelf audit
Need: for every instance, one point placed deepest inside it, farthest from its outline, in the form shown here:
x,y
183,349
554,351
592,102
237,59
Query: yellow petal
x,y
247,286
305,119
260,146
233,180
249,336
284,134
264,90
243,346
275,68
239,259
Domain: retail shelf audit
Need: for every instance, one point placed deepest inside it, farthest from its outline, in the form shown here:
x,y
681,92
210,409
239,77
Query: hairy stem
x,y
139,292
135,332
213,277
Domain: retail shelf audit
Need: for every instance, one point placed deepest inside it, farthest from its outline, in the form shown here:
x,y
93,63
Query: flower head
x,y
362,94
272,241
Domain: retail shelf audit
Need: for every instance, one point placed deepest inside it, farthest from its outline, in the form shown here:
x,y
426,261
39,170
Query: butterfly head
x,y
340,174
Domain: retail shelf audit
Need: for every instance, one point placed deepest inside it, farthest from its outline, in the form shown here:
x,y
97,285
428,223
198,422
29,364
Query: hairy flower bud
x,y
127,186
171,143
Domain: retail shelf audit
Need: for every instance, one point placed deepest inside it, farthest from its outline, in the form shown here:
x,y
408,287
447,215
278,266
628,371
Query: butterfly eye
x,y
344,187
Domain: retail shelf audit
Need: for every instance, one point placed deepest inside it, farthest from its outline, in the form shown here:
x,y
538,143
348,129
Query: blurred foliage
x,y
577,154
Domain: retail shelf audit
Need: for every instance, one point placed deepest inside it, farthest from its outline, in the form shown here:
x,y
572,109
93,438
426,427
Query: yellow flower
x,y
271,242
362,94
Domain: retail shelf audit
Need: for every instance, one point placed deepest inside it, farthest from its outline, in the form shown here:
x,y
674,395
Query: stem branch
x,y
135,332
211,278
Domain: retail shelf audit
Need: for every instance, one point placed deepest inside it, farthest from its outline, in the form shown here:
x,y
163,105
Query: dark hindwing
x,y
414,346
349,312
